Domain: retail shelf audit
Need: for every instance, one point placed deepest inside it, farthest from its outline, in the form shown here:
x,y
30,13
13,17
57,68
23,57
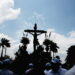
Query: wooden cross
x,y
35,33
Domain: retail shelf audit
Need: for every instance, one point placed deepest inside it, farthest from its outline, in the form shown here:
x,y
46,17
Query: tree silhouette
x,y
25,40
70,59
50,46
54,48
47,43
4,44
22,57
22,49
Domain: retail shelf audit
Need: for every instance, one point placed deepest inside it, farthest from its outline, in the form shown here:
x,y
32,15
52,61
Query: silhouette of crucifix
x,y
35,33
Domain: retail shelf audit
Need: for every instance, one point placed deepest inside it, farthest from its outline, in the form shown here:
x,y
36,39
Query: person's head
x,y
6,63
55,64
31,65
58,57
48,66
1,64
71,55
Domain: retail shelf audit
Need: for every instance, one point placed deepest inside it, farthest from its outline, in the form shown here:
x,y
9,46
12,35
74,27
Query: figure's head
x,y
71,55
48,66
31,65
6,63
55,64
58,57
1,64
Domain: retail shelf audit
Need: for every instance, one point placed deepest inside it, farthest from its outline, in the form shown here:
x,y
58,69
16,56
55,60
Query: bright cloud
x,y
7,11
72,34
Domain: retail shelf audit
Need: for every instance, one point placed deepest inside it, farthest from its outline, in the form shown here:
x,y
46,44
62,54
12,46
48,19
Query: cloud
x,y
38,18
13,49
19,33
7,11
72,34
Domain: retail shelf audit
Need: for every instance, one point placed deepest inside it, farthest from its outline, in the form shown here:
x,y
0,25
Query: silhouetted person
x,y
5,70
56,68
47,68
1,63
71,60
34,70
30,68
57,57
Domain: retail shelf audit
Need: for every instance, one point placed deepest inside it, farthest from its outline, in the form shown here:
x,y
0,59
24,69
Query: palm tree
x,y
54,48
47,43
25,41
50,45
4,43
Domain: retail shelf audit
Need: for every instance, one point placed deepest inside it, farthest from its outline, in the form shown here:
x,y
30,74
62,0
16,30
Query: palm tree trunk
x,y
2,52
5,51
53,54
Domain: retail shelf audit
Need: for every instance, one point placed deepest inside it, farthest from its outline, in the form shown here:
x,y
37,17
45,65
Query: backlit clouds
x,y
7,10
72,34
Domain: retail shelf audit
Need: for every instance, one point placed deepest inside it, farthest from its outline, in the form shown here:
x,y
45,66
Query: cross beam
x,y
35,33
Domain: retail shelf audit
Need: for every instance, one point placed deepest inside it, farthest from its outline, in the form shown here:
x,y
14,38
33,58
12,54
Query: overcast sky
x,y
56,16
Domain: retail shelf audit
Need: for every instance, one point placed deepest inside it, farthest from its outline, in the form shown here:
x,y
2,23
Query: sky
x,y
55,16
